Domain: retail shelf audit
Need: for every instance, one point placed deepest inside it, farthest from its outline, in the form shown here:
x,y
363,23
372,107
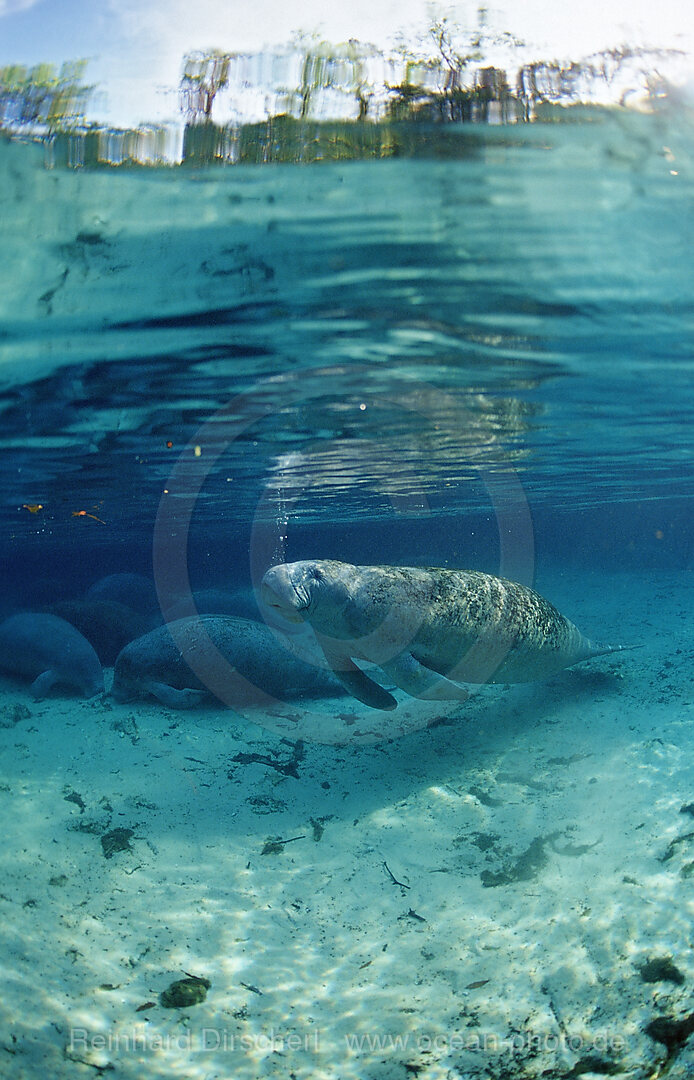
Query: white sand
x,y
513,980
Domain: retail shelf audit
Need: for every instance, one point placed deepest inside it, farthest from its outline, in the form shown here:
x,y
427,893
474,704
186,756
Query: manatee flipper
x,y
598,649
355,681
420,681
43,684
175,699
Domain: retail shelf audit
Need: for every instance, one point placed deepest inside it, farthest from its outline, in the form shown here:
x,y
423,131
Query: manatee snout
x,y
278,592
94,687
119,694
122,689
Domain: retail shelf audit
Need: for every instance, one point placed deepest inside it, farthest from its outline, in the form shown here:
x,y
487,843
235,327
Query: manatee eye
x,y
318,575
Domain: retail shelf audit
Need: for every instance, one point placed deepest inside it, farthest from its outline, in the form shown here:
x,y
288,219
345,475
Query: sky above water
x,y
135,47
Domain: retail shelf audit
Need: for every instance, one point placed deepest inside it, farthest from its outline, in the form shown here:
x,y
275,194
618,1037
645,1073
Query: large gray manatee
x,y
106,624
50,651
426,628
236,660
134,590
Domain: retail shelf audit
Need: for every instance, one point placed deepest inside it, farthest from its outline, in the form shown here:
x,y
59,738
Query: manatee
x,y
50,651
187,661
428,629
134,590
107,625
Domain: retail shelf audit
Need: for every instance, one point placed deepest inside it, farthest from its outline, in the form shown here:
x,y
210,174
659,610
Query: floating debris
x,y
286,768
275,845
412,914
393,879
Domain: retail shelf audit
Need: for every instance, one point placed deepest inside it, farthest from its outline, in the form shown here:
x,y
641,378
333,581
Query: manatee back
x,y
489,629
266,662
179,655
464,624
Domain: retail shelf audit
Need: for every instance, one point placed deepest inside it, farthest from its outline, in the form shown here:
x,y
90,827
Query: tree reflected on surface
x,y
315,100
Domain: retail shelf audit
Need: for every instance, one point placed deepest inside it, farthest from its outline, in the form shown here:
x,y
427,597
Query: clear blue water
x,y
373,357
477,360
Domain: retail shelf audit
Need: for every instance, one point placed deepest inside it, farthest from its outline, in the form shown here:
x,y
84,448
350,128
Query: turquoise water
x,y
476,361
355,345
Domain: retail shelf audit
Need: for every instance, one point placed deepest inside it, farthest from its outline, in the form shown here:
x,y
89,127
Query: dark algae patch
x,y
685,838
526,867
318,826
12,714
661,969
183,993
670,1032
116,840
592,1063
287,767
76,798
484,841
484,797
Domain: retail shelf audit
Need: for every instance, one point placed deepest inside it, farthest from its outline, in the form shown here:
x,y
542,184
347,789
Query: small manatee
x,y
50,651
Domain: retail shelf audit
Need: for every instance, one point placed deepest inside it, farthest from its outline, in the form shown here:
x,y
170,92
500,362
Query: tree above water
x,y
204,75
44,96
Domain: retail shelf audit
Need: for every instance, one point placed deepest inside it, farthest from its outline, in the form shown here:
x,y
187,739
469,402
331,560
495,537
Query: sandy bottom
x,y
503,894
